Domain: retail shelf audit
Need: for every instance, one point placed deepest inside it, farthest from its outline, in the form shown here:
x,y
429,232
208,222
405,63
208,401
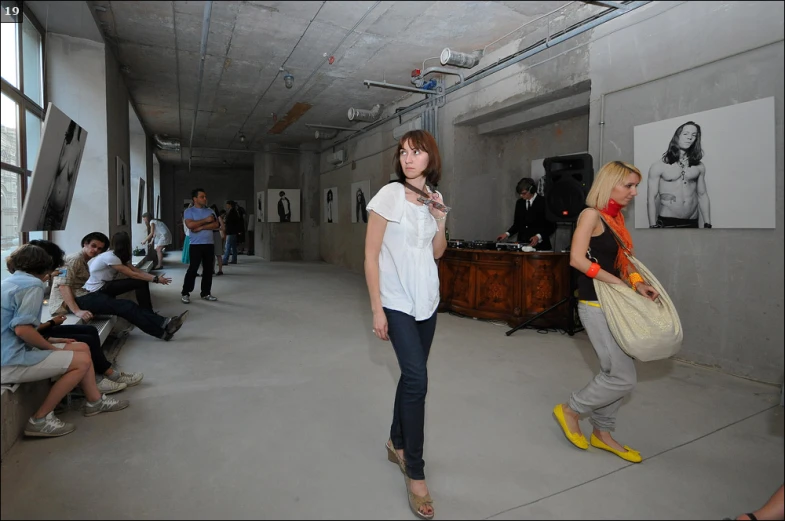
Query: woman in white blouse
x,y
402,240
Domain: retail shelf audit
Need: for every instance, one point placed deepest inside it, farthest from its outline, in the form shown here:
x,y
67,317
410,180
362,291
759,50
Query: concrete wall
x,y
76,84
726,284
118,140
288,241
138,153
657,62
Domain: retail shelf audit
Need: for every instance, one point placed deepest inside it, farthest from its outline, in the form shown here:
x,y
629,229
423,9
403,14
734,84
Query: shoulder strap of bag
x,y
416,190
616,236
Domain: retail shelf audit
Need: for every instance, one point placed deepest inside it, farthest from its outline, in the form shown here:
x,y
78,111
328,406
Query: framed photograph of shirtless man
x,y
52,186
711,169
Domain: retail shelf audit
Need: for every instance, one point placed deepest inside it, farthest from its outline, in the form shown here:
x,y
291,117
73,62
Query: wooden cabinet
x,y
508,286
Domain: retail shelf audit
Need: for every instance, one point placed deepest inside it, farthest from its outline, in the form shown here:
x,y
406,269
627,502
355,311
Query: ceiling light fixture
x,y
242,138
288,79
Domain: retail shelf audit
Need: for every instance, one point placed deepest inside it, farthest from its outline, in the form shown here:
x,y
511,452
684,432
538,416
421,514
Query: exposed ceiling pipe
x,y
503,64
443,70
364,115
467,60
384,84
166,144
331,127
322,134
208,8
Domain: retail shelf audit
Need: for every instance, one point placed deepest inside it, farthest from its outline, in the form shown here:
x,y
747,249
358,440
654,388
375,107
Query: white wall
x,y
138,172
76,84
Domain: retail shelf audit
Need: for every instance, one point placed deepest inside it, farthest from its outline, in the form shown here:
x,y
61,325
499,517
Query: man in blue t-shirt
x,y
200,221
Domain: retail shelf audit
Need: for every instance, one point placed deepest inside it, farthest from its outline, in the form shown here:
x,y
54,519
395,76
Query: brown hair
x,y
29,258
420,140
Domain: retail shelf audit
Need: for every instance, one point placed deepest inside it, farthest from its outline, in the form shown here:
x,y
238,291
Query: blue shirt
x,y
197,214
22,300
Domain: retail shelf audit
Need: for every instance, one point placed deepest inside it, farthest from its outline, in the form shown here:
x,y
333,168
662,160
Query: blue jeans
x,y
411,341
231,247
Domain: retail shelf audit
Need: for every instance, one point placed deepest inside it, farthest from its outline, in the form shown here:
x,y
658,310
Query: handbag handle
x,y
623,246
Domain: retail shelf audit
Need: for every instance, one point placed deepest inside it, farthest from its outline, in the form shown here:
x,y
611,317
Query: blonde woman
x,y
596,255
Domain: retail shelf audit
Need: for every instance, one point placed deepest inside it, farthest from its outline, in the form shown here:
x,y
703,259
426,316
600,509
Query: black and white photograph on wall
x,y
123,193
283,205
331,205
361,192
140,202
710,169
54,177
158,207
260,207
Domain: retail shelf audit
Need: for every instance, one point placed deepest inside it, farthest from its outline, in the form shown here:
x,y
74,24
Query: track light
x,y
242,138
460,59
288,79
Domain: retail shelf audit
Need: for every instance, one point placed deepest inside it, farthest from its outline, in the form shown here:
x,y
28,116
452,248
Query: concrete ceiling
x,y
242,90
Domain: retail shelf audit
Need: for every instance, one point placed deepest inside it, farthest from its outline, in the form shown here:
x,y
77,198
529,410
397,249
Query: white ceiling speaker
x,y
460,59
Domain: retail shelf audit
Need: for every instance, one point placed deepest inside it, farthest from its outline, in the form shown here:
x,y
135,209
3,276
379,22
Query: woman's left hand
x,y
437,214
647,291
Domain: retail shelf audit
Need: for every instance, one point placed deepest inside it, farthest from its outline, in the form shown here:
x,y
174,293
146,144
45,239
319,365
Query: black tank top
x,y
604,248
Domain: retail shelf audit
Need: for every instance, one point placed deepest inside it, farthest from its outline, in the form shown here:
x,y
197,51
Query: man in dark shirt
x,y
530,223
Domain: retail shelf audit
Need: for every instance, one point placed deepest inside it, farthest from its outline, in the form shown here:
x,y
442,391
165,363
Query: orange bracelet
x,y
635,278
593,270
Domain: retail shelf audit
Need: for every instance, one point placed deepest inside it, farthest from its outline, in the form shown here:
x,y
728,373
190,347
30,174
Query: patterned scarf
x,y
615,219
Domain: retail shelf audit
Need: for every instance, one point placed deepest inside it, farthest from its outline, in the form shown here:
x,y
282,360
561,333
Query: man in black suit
x,y
284,208
530,223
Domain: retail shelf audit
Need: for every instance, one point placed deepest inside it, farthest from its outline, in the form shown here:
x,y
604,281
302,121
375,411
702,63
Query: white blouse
x,y
408,276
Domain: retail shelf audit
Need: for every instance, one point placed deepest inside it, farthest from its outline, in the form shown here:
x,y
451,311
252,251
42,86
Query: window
x,y
9,128
12,205
10,61
32,65
21,116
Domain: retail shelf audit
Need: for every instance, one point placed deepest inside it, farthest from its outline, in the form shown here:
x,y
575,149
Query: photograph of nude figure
x,y
711,169
51,189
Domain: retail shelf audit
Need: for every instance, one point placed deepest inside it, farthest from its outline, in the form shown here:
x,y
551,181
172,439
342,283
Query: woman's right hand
x,y
380,325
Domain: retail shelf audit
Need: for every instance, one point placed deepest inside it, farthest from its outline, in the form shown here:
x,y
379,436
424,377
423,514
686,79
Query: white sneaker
x,y
129,379
105,405
107,386
49,426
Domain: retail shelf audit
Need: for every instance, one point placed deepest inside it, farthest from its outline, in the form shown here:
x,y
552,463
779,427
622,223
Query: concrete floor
x,y
275,402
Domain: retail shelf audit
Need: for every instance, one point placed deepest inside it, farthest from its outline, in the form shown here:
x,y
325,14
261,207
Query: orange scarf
x,y
616,223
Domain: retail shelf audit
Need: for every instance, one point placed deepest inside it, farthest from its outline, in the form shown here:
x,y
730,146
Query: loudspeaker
x,y
567,182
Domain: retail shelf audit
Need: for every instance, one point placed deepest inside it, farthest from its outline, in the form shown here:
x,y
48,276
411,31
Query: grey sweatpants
x,y
602,397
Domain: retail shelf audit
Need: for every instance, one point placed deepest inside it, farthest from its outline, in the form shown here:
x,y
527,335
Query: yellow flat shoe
x,y
633,456
577,439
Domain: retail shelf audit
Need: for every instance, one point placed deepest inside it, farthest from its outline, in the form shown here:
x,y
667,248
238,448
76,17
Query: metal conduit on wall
x,y
502,64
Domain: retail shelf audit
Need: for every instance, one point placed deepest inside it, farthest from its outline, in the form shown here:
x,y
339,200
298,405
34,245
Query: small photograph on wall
x,y
260,207
361,194
158,207
123,193
52,185
331,204
283,205
140,202
711,169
